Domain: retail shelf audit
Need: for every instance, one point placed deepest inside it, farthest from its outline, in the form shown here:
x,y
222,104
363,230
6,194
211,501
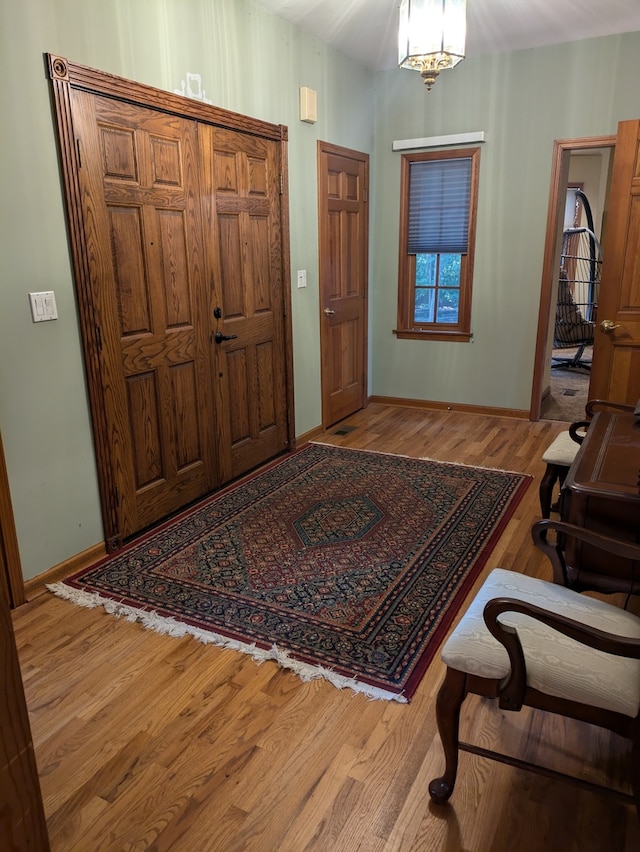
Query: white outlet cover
x,y
302,278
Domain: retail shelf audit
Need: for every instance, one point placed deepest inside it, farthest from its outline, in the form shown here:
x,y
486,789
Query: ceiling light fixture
x,y
431,36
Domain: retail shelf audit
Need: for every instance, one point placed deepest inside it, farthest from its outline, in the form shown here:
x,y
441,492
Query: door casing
x,y
11,580
562,149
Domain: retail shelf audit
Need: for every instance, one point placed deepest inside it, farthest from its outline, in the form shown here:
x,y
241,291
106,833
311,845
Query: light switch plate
x,y
43,306
302,278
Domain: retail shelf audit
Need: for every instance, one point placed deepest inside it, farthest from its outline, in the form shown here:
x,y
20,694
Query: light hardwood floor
x,y
149,742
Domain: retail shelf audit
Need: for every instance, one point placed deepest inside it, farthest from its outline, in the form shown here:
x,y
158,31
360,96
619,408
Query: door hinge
x,y
281,183
79,153
365,195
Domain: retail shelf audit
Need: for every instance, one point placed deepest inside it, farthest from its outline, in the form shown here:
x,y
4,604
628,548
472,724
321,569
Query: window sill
x,y
428,334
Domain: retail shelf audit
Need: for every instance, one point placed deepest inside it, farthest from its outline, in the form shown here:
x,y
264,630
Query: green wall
x,y
523,101
250,62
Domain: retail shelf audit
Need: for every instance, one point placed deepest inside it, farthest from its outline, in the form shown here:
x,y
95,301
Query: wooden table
x,y
602,492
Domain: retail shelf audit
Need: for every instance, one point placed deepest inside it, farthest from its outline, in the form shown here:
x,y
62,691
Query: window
x,y
437,234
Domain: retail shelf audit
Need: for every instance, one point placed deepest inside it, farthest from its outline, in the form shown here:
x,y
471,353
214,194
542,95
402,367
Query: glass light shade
x,y
431,34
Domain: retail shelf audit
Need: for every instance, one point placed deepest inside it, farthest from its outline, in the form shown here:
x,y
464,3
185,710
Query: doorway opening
x,y
581,168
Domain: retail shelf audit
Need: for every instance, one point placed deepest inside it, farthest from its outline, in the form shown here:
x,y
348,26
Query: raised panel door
x,y
144,237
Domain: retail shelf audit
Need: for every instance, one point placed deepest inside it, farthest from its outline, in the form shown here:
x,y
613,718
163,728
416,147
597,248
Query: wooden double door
x,y
179,235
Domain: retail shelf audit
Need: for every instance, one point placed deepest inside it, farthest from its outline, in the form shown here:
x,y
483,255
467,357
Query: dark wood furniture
x,y
589,684
560,455
601,492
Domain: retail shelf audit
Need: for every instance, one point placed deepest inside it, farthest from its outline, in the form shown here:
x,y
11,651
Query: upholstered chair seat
x,y
556,665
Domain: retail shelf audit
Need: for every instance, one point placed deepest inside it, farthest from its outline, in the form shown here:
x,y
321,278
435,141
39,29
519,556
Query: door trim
x,y
10,565
65,76
562,149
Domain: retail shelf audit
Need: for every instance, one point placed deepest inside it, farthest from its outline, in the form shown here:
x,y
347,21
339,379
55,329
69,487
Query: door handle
x,y
329,312
608,326
219,337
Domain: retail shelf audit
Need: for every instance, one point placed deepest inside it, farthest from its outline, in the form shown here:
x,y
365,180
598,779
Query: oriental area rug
x,y
337,563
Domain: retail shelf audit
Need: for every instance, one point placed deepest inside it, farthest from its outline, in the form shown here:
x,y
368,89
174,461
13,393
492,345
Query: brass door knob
x,y
608,326
329,312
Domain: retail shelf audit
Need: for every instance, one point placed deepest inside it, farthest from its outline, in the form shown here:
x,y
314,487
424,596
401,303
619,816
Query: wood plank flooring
x,y
149,742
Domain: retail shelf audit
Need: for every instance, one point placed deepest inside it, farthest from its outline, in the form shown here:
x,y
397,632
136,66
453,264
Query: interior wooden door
x,y
343,182
242,177
616,361
143,239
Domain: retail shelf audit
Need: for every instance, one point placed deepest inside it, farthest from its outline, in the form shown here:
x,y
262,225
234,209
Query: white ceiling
x,y
367,29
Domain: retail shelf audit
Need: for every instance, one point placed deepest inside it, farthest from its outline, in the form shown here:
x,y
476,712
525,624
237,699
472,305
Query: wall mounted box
x,y
308,105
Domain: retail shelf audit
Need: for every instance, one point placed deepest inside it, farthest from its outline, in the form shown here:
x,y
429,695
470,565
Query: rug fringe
x,y
170,627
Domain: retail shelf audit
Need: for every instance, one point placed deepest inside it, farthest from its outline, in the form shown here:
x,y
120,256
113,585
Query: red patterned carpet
x,y
337,563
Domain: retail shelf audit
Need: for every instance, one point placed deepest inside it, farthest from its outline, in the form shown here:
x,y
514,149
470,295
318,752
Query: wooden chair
x,y
558,458
529,642
619,573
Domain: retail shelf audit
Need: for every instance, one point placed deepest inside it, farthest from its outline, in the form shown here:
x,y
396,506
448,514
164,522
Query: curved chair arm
x,y
575,428
513,687
592,404
554,549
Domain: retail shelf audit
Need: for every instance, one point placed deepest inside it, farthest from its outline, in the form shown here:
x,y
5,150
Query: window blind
x,y
439,195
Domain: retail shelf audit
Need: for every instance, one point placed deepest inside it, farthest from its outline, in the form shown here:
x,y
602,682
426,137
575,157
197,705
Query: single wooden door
x,y
241,179
143,233
343,184
616,360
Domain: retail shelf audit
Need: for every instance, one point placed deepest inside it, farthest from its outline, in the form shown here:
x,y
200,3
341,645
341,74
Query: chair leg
x,y
450,697
561,473
546,489
635,769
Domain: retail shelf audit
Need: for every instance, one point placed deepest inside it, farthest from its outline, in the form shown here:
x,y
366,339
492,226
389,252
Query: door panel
x,y
242,179
343,210
616,362
144,233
